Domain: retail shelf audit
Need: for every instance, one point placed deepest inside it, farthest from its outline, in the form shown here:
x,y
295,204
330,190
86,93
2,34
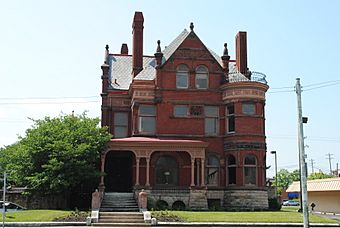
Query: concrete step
x,y
119,210
121,217
121,221
121,224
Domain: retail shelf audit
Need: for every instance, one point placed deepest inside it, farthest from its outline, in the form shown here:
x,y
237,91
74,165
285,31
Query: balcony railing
x,y
253,76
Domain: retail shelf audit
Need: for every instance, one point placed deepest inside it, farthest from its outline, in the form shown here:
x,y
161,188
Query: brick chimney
x,y
124,49
241,52
137,48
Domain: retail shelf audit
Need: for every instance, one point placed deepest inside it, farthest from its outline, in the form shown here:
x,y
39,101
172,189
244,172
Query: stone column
x,y
102,169
137,171
192,172
147,172
202,172
198,163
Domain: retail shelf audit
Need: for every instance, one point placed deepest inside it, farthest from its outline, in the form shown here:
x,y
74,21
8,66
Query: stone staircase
x,y
119,202
120,209
121,219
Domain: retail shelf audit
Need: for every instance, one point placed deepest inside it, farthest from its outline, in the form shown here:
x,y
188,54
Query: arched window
x,y
182,77
212,170
231,161
201,77
166,171
250,170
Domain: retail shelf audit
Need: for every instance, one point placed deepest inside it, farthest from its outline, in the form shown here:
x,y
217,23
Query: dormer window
x,y
182,76
201,77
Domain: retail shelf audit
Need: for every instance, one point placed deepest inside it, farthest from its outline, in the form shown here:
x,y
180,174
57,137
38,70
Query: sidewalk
x,y
171,224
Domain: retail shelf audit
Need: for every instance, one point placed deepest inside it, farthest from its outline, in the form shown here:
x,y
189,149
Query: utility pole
x,y
303,180
329,157
312,163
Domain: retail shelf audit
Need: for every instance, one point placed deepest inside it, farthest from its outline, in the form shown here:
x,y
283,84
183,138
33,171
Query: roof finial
x,y
225,51
192,26
158,50
107,47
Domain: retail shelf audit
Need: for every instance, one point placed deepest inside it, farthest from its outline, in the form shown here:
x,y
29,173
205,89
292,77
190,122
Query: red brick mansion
x,y
188,125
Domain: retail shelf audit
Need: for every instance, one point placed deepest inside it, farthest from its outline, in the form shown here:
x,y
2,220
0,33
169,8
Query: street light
x,y
274,152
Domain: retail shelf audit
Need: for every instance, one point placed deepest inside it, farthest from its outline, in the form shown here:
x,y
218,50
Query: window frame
x,y
200,75
231,166
120,125
230,118
142,116
250,167
214,117
212,167
182,73
178,115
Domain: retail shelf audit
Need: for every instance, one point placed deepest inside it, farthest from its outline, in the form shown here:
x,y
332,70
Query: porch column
x,y
202,172
102,169
198,172
137,171
147,172
192,172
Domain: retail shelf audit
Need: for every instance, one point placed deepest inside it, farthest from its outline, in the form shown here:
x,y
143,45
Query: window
x,y
180,110
248,108
212,170
182,76
231,170
211,120
147,119
120,124
230,118
250,170
166,171
201,77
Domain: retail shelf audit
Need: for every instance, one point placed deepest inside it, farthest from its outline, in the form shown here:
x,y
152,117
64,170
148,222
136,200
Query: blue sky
x,y
54,49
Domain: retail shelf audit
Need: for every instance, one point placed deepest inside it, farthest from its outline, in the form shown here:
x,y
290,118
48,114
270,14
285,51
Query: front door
x,y
118,169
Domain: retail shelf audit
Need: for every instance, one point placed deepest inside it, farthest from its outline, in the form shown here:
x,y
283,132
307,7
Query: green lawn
x,y
267,216
34,215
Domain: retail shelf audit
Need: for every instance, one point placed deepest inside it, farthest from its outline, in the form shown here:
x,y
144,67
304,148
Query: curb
x,y
43,224
223,224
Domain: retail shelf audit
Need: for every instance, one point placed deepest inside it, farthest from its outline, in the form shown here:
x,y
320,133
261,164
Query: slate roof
x,y
321,185
121,66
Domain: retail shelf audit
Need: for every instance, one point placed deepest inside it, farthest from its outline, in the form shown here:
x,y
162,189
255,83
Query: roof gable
x,y
189,41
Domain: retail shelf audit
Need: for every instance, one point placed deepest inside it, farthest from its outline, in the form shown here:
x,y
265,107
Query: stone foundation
x,y
245,200
202,199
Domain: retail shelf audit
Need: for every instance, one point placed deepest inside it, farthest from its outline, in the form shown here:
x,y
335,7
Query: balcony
x,y
252,76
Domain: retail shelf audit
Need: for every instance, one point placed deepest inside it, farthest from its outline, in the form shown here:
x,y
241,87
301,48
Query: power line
x,y
47,103
318,87
45,98
320,83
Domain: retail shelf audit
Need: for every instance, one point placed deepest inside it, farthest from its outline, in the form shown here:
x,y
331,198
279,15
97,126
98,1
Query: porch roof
x,y
159,141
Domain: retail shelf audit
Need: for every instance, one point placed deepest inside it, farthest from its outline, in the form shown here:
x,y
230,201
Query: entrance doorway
x,y
118,169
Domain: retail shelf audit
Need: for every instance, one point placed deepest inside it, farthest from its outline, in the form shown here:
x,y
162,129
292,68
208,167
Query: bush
x,y
274,204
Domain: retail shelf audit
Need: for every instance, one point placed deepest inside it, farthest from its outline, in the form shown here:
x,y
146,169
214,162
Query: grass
x,y
285,216
35,215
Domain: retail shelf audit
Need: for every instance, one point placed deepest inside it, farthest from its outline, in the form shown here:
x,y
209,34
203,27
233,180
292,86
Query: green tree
x,y
285,178
57,154
319,175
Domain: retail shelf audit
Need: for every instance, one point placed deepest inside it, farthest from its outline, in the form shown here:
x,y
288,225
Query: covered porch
x,y
153,163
